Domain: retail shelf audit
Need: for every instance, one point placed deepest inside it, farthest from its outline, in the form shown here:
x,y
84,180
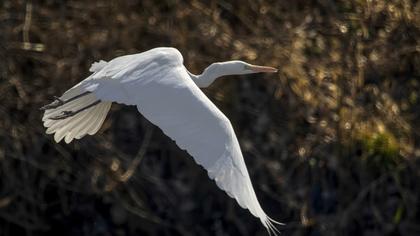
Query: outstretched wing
x,y
158,84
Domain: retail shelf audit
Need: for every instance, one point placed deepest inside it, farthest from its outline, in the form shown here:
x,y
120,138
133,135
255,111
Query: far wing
x,y
168,98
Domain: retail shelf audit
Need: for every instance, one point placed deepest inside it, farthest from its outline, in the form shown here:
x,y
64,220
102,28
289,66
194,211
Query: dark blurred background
x,y
331,141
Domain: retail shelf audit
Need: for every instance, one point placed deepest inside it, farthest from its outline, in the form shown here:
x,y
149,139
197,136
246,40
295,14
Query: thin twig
x,y
139,157
27,24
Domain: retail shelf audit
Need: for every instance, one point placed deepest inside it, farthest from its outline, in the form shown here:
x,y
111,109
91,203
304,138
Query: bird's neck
x,y
211,73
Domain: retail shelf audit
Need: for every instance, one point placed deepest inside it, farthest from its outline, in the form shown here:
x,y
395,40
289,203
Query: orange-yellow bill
x,y
264,69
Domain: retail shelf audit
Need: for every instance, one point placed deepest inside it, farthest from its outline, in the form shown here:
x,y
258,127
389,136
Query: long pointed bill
x,y
264,69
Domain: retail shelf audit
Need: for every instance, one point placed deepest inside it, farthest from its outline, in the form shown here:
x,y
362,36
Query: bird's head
x,y
241,68
236,67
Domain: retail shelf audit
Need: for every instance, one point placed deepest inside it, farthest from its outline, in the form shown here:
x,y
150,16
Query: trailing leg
x,y
66,114
59,102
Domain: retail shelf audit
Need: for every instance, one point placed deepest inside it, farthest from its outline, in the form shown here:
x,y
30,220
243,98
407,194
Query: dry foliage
x,y
331,142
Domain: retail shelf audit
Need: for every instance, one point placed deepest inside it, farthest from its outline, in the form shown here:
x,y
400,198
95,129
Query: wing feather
x,y
88,123
104,110
73,124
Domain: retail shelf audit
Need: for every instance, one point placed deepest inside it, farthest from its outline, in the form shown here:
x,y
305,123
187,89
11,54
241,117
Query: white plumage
x,y
157,82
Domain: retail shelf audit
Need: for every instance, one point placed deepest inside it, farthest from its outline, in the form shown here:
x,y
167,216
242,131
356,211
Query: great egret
x,y
157,82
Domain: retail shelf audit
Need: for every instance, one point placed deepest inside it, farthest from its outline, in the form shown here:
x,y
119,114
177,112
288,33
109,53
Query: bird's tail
x,y
74,115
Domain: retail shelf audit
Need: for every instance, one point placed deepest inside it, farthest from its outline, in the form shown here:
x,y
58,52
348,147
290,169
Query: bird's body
x,y
157,82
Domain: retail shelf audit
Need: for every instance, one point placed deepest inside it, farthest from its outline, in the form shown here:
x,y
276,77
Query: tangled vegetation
x,y
332,142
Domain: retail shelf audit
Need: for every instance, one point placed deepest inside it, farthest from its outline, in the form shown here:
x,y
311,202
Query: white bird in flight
x,y
169,96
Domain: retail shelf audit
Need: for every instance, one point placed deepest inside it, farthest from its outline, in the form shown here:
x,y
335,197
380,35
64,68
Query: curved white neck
x,y
212,72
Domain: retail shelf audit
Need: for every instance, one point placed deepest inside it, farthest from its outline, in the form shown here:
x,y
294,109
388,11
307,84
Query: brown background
x,y
331,141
